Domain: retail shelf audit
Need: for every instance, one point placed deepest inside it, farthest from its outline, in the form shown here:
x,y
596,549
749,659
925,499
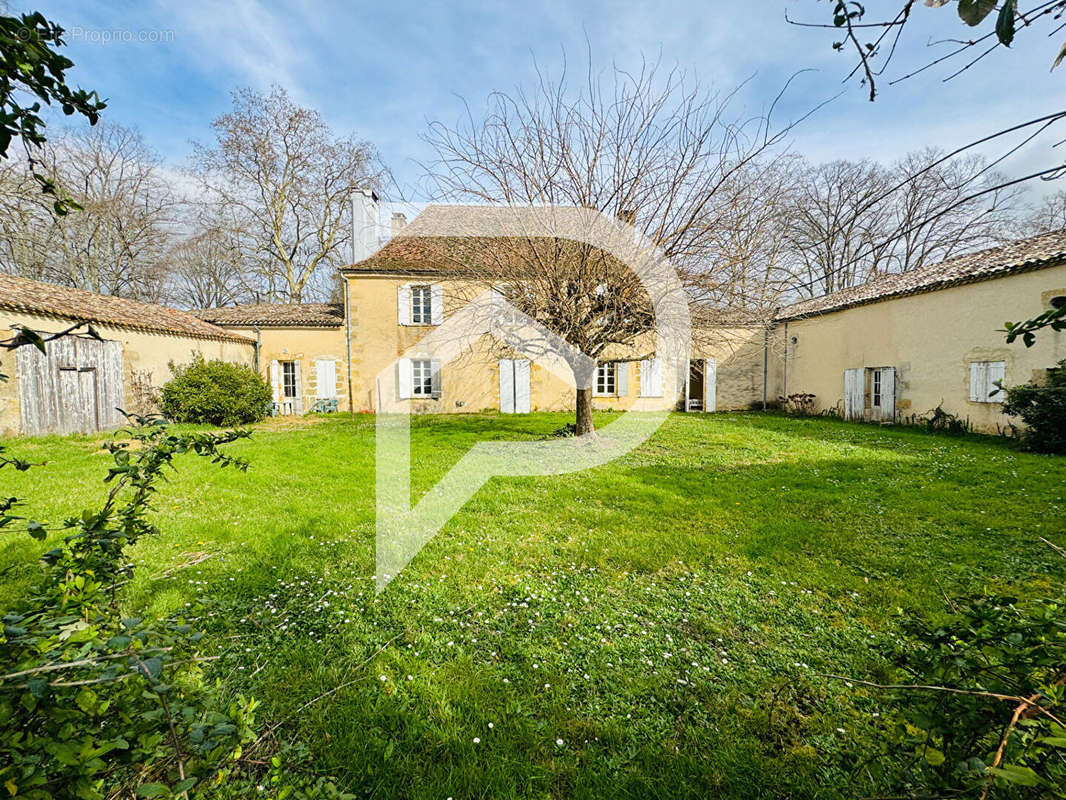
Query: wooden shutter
x,y
997,372
521,386
888,394
326,378
403,378
621,378
854,393
506,386
710,385
403,304
275,380
436,308
434,368
978,381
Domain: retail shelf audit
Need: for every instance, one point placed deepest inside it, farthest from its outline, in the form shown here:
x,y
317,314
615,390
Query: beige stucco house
x,y
887,351
82,381
904,344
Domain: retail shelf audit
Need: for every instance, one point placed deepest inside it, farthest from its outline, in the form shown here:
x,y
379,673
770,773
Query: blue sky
x,y
384,69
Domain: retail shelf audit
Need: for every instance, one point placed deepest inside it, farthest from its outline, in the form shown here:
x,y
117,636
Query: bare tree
x,y
850,222
206,268
279,173
836,224
648,147
933,211
116,245
1049,215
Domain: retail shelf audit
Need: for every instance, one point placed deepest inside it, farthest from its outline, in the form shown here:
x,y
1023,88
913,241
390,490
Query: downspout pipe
x,y
258,345
348,345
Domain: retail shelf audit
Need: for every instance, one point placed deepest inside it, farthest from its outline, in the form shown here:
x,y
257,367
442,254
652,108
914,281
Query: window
x,y
984,379
288,379
421,305
605,379
875,388
422,378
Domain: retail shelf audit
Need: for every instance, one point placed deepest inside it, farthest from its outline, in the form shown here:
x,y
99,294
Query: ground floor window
x,y
422,378
605,379
985,378
288,379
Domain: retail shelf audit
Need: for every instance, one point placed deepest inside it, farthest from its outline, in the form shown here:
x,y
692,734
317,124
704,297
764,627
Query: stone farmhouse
x,y
884,351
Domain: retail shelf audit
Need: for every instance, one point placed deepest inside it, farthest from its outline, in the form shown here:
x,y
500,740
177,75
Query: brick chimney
x,y
399,222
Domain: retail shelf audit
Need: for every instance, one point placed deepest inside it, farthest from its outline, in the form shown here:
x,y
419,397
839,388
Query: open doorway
x,y
694,393
701,387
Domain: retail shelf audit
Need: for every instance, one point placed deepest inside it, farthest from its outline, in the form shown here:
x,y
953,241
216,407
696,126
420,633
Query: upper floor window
x,y
421,305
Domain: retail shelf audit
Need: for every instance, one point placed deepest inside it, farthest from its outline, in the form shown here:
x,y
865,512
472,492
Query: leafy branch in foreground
x,y
93,703
1054,318
30,65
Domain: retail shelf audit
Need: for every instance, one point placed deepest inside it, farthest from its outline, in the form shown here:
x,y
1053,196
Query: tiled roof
x,y
277,315
35,297
422,251
1036,252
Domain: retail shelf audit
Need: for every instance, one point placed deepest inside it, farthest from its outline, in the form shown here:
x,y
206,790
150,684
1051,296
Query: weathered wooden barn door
x,y
854,393
76,386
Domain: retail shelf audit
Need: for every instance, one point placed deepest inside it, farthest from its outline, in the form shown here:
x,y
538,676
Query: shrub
x,y
215,392
800,404
93,703
1042,407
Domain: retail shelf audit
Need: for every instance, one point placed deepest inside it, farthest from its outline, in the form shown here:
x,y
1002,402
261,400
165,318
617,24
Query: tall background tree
x,y
285,182
117,244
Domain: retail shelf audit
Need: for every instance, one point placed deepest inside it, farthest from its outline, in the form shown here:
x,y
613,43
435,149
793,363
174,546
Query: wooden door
x,y
75,386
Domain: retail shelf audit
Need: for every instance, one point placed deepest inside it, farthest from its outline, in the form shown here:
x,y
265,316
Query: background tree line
x,y
263,214
260,214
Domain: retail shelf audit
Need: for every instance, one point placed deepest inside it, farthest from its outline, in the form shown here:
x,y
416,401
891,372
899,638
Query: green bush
x,y
215,392
1043,409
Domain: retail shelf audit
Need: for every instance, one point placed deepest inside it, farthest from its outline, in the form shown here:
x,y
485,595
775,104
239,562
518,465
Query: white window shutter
x,y
888,394
997,372
434,366
506,386
521,386
325,379
710,385
403,304
656,377
298,402
978,380
621,378
645,377
854,393
403,378
437,303
275,381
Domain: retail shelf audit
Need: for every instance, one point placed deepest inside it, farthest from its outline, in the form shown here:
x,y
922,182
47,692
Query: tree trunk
x,y
583,419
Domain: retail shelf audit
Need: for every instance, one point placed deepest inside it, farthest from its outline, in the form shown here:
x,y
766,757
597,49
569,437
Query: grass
x,y
658,627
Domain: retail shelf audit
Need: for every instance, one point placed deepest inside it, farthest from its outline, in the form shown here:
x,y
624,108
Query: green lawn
x,y
652,628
